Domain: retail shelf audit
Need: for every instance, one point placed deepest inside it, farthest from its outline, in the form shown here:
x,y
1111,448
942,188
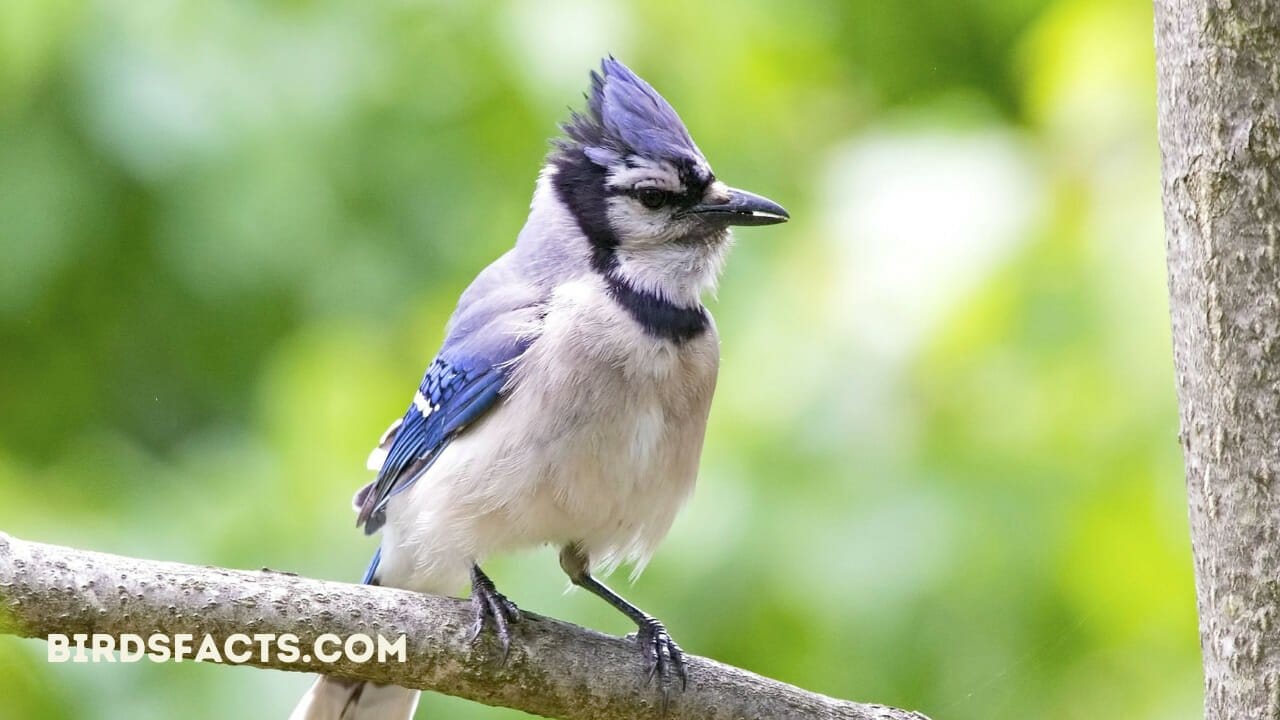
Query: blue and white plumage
x,y
569,400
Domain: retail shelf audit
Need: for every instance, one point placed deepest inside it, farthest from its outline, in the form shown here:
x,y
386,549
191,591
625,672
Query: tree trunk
x,y
1218,63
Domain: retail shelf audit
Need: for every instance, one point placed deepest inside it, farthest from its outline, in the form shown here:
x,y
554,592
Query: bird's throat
x,y
658,316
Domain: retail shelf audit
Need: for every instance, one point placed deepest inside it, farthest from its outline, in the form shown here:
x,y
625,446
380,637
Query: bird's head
x,y
640,188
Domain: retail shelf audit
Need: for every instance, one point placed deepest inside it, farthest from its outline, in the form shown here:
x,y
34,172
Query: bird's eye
x,y
652,198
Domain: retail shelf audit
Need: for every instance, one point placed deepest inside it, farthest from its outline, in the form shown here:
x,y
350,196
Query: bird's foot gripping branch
x,y
553,669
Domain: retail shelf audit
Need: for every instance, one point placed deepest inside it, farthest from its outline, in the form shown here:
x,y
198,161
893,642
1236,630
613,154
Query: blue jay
x,y
569,401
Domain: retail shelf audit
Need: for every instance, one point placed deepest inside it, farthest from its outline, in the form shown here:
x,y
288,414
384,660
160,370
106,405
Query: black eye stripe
x,y
695,188
692,196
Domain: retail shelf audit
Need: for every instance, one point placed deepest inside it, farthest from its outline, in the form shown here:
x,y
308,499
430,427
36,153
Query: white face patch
x,y
637,225
637,172
663,250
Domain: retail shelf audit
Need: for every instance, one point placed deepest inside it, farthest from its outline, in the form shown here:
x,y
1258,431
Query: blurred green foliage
x,y
941,470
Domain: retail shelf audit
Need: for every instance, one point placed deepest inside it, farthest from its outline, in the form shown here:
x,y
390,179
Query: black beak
x,y
742,208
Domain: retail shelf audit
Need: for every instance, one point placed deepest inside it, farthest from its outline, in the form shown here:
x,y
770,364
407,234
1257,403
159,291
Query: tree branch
x,y
555,669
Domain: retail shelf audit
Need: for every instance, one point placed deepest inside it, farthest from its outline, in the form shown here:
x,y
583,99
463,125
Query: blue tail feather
x,y
373,567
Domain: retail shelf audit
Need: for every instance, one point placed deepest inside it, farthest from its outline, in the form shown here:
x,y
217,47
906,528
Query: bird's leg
x,y
662,655
489,604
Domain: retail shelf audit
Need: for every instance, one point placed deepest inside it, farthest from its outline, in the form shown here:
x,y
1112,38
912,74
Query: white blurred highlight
x,y
554,42
917,220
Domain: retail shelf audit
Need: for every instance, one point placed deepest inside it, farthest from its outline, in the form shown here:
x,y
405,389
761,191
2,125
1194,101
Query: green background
x,y
941,470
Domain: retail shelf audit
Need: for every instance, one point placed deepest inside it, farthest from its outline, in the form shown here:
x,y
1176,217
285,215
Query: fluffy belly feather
x,y
597,442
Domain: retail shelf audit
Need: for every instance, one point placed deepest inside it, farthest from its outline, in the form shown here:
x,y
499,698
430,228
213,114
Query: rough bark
x,y
554,669
1218,63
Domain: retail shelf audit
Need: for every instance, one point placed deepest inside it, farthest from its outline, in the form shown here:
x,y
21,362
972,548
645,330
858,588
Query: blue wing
x,y
451,396
488,332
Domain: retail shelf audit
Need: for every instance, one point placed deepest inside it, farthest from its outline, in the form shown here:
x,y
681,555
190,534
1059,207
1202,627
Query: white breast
x,y
597,442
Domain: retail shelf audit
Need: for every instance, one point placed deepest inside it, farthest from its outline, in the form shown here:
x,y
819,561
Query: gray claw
x,y
491,605
662,656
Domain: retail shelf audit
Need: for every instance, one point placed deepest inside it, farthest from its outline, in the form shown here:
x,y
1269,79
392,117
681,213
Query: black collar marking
x,y
658,316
